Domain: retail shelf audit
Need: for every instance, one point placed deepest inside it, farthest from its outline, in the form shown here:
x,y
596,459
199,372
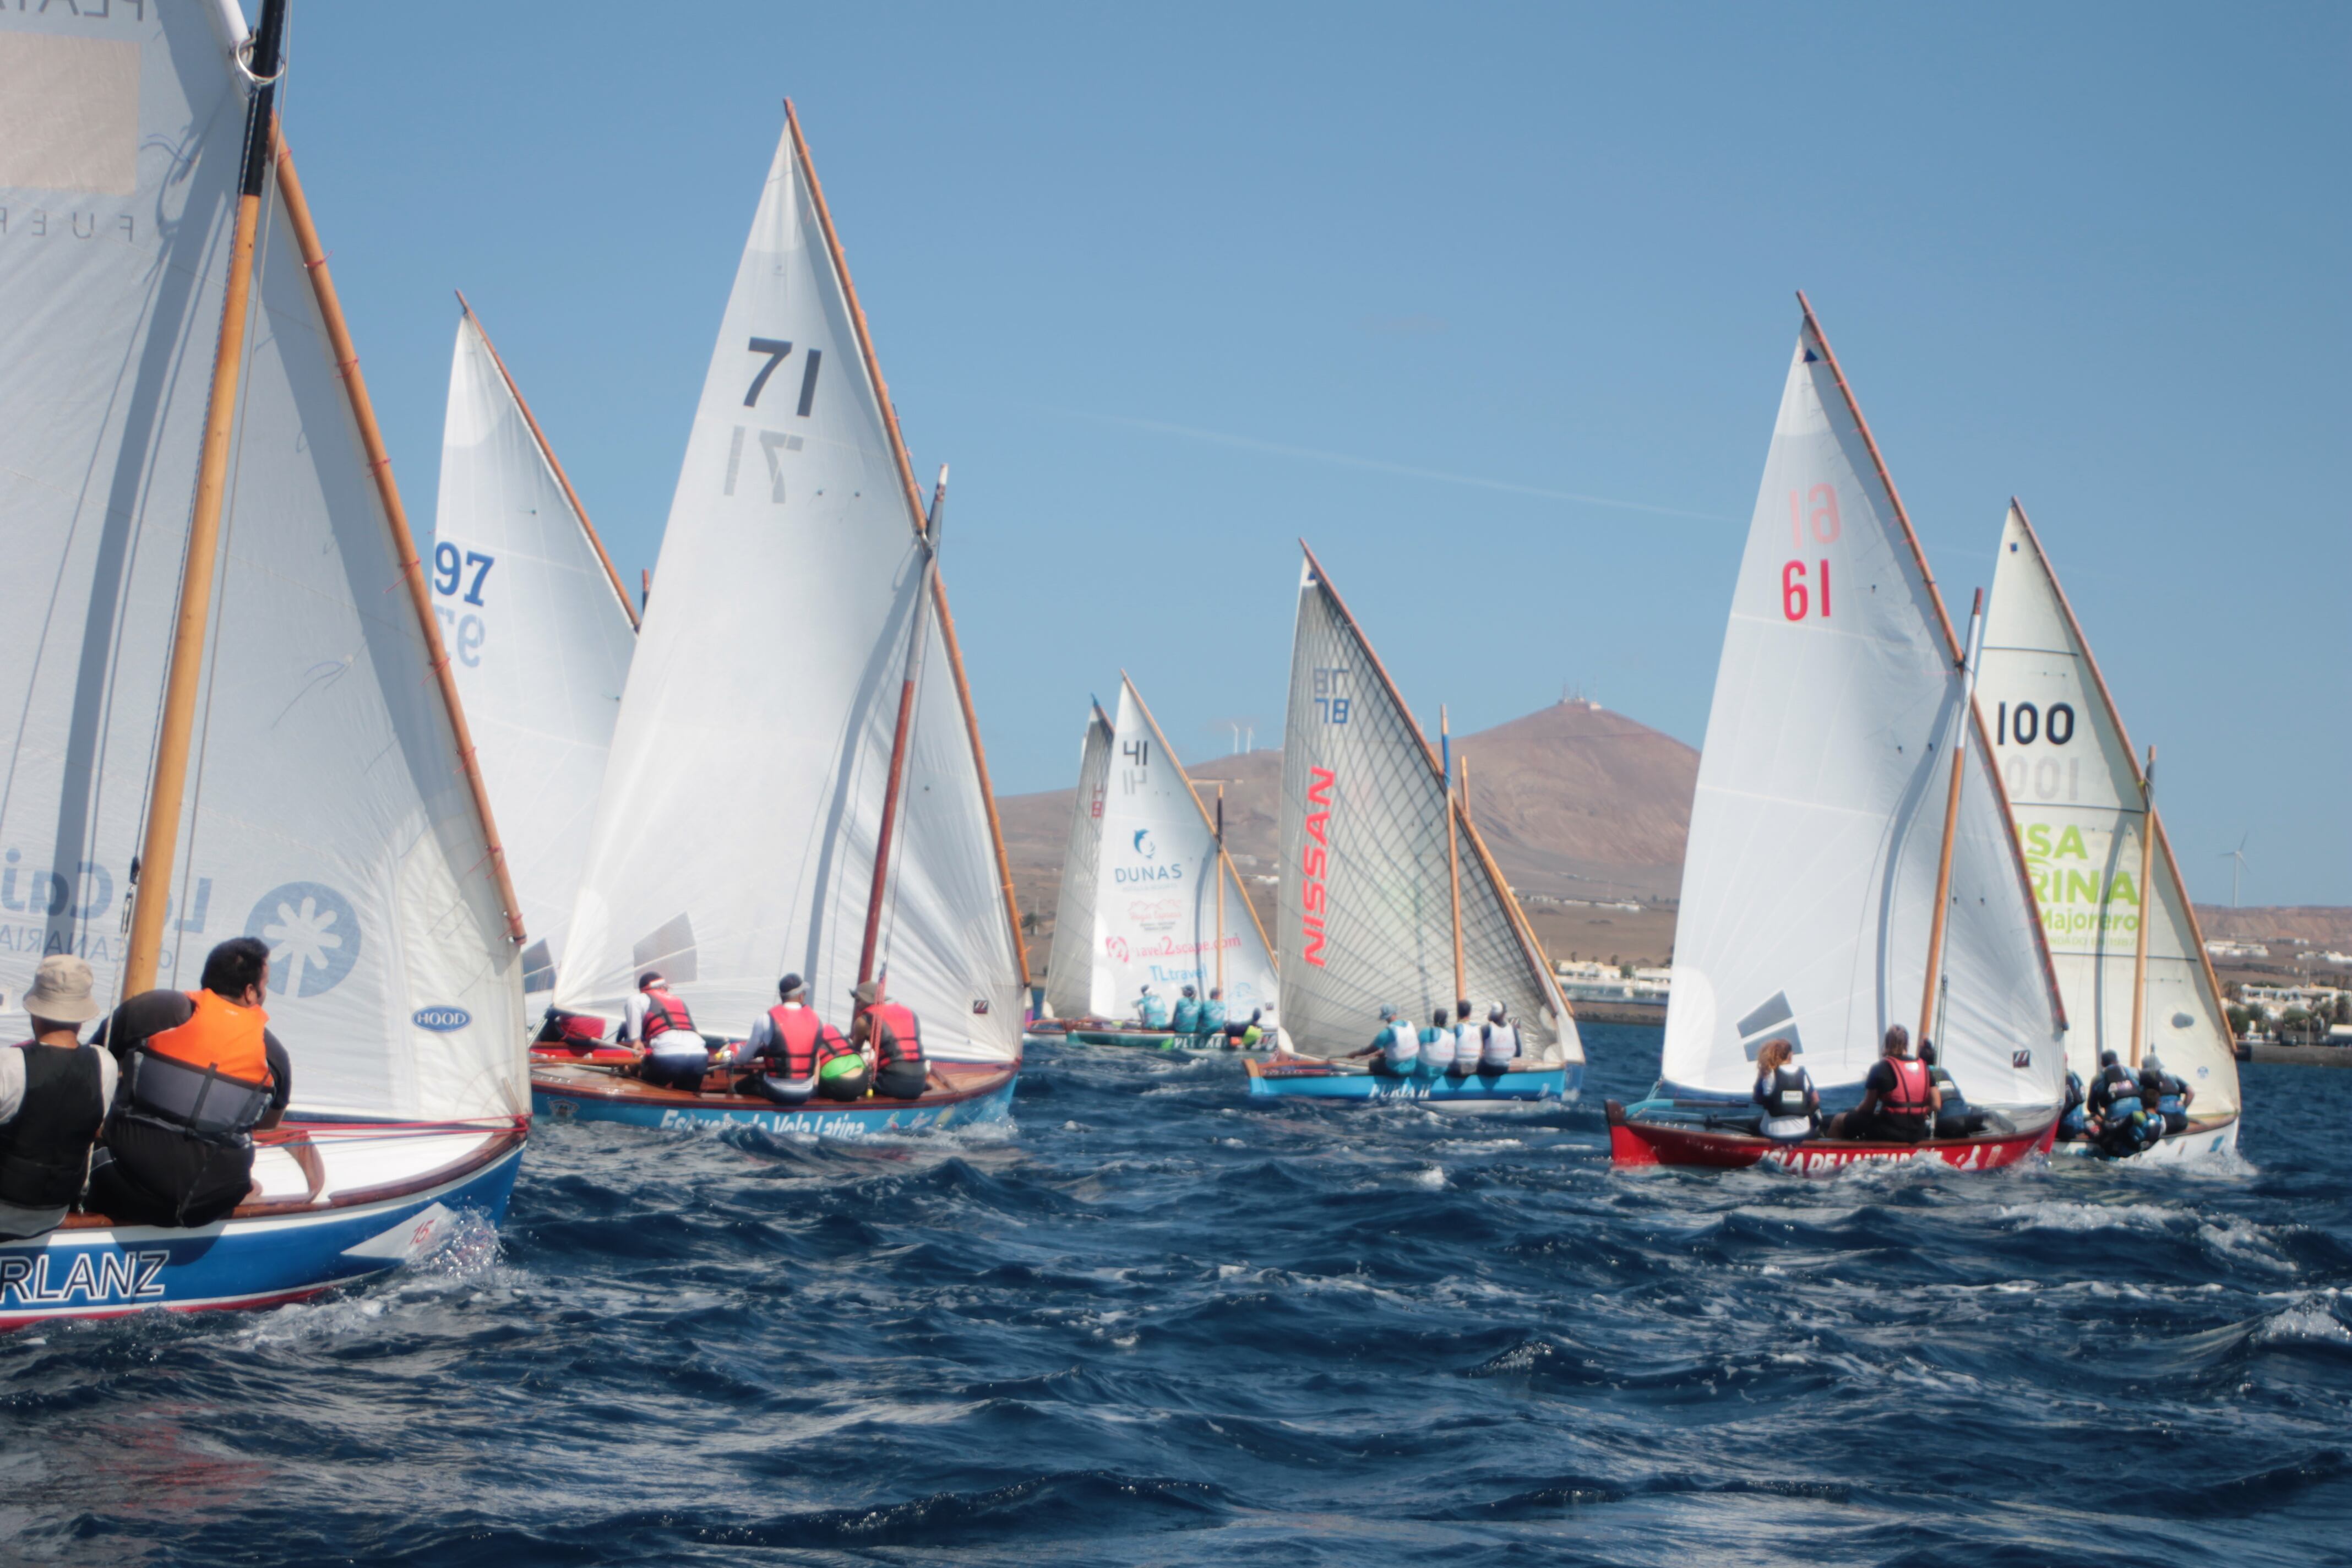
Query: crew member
x,y
2173,1096
796,1047
1245,1036
201,1073
54,1091
1213,1013
1469,1039
677,1056
1898,1100
2123,1122
1187,1020
1437,1047
1151,1009
1954,1119
1396,1050
1792,1106
2072,1121
890,1030
1499,1042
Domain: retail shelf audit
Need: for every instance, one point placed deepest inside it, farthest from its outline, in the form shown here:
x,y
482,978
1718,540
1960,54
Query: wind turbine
x,y
2237,858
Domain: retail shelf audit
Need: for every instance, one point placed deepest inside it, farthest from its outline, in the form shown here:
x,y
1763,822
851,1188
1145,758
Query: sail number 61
x,y
1796,597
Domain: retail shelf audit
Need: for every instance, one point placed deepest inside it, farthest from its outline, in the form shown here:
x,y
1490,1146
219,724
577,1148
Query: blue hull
x,y
1559,1085
105,1273
845,1122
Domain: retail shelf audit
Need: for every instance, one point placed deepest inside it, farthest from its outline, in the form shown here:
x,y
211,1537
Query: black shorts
x,y
900,1081
147,1175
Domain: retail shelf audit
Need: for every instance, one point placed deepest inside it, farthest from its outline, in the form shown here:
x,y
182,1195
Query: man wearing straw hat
x,y
54,1091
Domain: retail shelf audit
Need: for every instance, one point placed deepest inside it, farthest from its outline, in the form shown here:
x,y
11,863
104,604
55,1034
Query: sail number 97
x,y
458,575
1815,512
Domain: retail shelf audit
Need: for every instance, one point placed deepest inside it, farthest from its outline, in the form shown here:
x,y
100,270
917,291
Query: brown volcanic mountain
x,y
1584,810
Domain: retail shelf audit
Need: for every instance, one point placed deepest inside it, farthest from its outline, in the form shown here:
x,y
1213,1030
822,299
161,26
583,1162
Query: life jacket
x,y
2170,1103
1213,1017
664,1013
897,1036
1153,1012
1500,1048
1907,1102
209,1077
798,1032
44,1152
2112,1084
1188,1015
1437,1048
1401,1045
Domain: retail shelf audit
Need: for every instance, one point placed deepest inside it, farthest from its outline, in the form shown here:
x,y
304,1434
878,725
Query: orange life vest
x,y
222,1036
904,1043
1909,1097
664,1013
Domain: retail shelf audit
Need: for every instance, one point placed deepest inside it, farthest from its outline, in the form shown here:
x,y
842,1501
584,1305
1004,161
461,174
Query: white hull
x,y
2174,1149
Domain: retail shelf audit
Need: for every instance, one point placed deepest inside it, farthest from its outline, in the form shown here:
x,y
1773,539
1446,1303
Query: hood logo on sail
x,y
441,1020
1313,892
313,935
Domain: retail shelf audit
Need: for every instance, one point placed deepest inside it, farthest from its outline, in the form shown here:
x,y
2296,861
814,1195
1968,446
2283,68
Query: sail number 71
x,y
1801,595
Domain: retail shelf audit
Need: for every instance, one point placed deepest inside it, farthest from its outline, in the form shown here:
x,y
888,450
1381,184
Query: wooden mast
x,y
1951,822
1220,887
939,588
1453,847
554,464
916,638
152,882
2147,874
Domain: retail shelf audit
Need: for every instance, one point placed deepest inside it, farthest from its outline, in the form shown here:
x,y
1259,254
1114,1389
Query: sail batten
x,y
1810,882
735,838
1366,910
2076,793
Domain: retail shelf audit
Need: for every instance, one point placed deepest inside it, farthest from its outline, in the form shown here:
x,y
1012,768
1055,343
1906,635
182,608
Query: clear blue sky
x,y
1173,286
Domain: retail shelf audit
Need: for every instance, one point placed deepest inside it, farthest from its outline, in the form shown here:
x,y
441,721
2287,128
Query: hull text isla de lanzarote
x,y
1156,944
1853,883
1391,909
727,911
235,719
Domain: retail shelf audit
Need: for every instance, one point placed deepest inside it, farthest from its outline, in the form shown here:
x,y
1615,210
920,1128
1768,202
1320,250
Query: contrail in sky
x,y
1346,460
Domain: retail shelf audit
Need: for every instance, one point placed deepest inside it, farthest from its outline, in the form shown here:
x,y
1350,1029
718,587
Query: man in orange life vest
x,y
1899,1101
805,1055
675,1054
201,1073
54,1091
890,1030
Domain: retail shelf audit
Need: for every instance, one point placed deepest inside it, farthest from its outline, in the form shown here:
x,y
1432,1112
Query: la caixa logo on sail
x,y
1313,891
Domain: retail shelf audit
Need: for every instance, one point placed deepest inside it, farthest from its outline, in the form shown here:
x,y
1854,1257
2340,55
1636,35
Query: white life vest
x,y
1437,1055
1502,1046
1401,1045
1466,1046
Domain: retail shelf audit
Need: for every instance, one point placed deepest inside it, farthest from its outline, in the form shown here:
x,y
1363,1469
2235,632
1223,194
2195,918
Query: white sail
x,y
1070,973
2073,786
1810,879
327,807
540,634
734,838
1157,915
1367,902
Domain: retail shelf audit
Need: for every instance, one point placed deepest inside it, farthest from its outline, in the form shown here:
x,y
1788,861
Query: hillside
x,y
1582,807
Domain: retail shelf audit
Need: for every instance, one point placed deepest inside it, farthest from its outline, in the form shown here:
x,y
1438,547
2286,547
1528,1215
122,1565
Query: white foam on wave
x,y
2311,1321
2055,1214
1429,1178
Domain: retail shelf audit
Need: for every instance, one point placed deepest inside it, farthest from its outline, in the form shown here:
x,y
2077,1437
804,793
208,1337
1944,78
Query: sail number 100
x,y
1815,512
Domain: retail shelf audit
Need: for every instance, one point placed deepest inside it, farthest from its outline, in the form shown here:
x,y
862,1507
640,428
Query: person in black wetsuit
x,y
54,1091
1954,1119
201,1072
2168,1092
1898,1100
2122,1122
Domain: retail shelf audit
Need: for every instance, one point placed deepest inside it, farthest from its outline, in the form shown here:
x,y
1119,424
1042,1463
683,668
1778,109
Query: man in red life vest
x,y
675,1054
891,1032
804,1055
201,1073
1899,1101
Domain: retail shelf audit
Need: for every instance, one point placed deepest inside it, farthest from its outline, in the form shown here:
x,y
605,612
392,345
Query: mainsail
x,y
1810,881
540,631
328,808
1158,920
735,836
1366,907
1070,973
2075,792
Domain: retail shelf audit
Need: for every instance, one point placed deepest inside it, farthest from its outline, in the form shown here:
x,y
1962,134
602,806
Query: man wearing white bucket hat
x,y
54,1091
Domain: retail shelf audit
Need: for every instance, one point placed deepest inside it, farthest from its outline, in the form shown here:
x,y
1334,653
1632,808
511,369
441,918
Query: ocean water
x,y
1154,1323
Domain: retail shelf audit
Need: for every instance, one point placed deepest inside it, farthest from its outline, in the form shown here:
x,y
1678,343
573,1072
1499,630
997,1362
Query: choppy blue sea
x,y
1155,1323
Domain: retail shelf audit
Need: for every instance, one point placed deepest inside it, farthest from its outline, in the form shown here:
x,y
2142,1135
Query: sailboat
x,y
796,782
2123,935
1165,908
540,631
1851,864
1388,895
1069,971
230,719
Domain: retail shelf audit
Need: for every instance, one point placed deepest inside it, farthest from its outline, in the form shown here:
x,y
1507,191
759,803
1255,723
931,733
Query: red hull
x,y
1658,1144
